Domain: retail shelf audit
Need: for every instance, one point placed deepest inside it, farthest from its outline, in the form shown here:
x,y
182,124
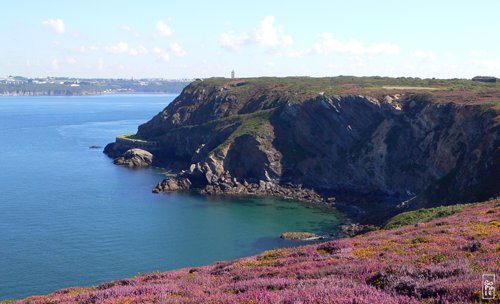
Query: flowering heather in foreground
x,y
436,262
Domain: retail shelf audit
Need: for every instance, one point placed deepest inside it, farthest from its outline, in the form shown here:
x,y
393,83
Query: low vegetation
x,y
422,215
302,88
128,136
440,261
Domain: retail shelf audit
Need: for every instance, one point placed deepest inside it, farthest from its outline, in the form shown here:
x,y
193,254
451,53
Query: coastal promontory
x,y
408,141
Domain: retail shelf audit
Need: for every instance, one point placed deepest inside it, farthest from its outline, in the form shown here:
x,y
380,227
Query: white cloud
x,y
477,53
158,50
125,28
120,47
177,49
289,52
71,60
30,63
424,55
55,24
163,29
100,64
140,50
330,44
165,57
93,48
55,64
162,54
287,40
383,48
271,37
233,41
267,34
124,48
81,49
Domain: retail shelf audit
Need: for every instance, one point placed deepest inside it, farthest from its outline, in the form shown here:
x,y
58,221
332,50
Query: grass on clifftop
x,y
302,88
248,124
130,136
252,124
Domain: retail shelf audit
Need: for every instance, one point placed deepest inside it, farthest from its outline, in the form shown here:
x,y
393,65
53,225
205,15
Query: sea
x,y
69,217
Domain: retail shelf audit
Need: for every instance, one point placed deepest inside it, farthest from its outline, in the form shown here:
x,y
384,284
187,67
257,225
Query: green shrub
x,y
422,215
438,258
423,97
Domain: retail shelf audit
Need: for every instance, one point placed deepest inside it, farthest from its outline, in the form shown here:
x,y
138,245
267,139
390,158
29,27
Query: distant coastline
x,y
13,94
63,86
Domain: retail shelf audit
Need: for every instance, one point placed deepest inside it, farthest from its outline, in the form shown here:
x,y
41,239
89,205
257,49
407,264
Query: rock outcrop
x,y
172,185
300,236
135,158
314,139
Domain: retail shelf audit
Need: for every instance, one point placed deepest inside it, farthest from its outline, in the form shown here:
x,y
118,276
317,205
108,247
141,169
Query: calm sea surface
x,y
68,216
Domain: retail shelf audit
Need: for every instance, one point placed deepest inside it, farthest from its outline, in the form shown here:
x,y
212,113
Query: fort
x,y
485,79
129,142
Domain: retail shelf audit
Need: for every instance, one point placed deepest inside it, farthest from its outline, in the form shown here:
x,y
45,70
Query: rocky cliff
x,y
423,142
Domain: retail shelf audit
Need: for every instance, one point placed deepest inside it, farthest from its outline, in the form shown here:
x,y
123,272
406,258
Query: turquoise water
x,y
69,217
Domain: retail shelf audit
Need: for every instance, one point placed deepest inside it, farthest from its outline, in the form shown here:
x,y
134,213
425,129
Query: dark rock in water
x,y
225,185
135,158
300,236
95,147
172,184
113,150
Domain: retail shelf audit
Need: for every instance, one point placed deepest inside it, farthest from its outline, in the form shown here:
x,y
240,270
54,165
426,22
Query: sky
x,y
199,39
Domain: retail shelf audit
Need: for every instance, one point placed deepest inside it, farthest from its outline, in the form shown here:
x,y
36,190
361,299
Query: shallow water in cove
x,y
69,217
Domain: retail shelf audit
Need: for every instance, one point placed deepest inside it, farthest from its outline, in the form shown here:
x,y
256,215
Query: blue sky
x,y
189,39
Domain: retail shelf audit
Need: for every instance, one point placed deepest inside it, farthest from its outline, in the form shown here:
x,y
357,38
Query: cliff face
x,y
308,133
445,151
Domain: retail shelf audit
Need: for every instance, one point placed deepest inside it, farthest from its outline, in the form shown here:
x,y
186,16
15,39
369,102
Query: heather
x,y
440,261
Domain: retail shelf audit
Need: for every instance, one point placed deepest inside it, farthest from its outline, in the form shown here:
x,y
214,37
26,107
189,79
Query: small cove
x,y
69,217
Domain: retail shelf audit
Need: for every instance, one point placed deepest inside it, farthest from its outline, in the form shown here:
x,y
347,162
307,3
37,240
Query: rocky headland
x,y
406,142
341,141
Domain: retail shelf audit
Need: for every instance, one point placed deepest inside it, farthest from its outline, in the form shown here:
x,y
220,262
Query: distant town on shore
x,y
68,86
